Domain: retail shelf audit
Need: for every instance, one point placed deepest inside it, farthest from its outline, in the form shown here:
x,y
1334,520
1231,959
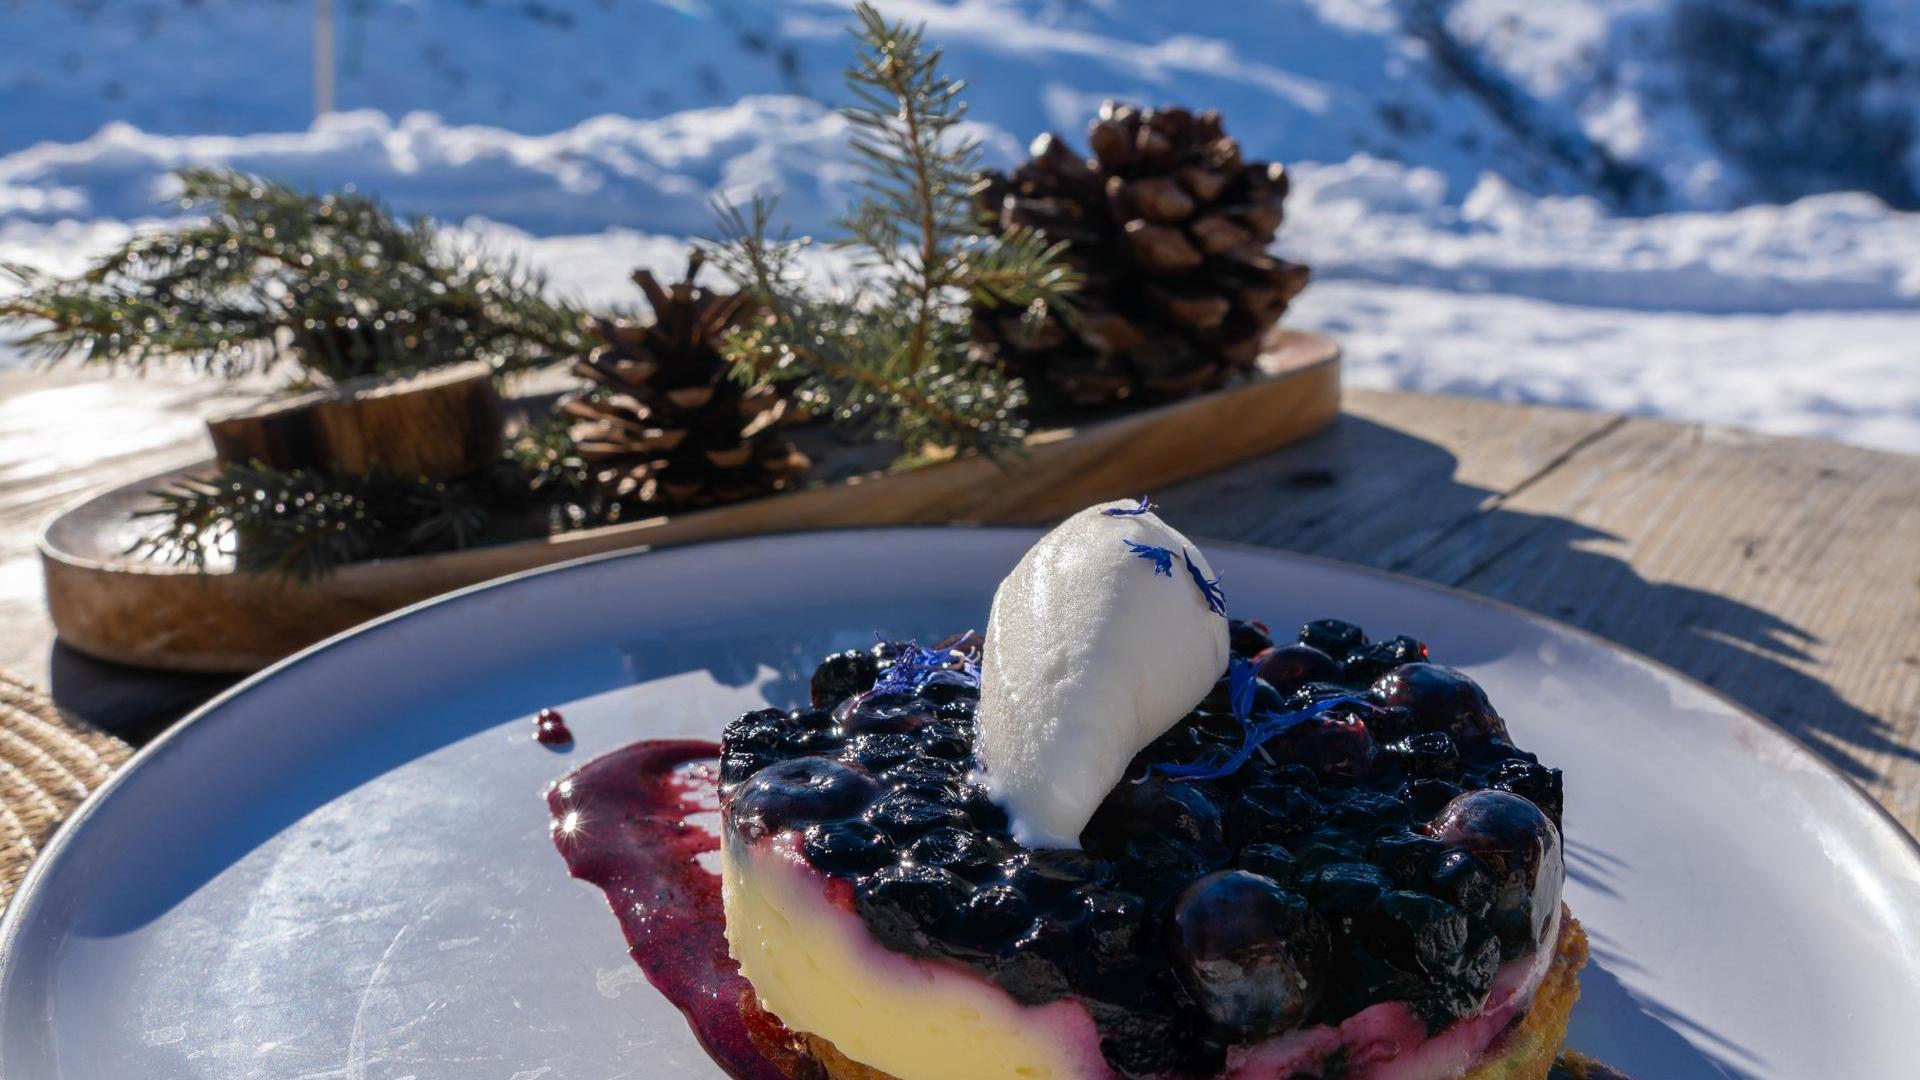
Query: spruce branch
x,y
333,283
893,352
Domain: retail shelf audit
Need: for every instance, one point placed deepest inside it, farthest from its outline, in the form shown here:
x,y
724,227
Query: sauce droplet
x,y
550,728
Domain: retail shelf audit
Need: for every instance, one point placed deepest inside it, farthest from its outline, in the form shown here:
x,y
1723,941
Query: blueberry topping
x,y
1428,753
883,711
1441,699
1369,662
1290,667
1516,841
1247,637
799,792
843,675
1249,951
1333,637
1270,861
847,847
1340,822
904,814
899,903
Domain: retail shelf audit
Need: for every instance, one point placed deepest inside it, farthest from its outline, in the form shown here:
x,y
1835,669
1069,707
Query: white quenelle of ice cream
x,y
1101,639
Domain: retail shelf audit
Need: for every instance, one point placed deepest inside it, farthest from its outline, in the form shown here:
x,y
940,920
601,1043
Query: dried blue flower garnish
x,y
1216,600
1259,731
914,667
1145,506
1161,558
1241,682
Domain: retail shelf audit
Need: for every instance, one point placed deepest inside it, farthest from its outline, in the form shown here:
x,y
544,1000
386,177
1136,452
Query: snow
x,y
1499,198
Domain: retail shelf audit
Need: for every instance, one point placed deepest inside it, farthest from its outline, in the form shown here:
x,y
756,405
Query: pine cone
x,y
665,427
1170,228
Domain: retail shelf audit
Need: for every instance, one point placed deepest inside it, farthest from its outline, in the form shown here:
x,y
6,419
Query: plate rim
x,y
55,847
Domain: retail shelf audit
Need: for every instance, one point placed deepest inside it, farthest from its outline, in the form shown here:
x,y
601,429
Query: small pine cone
x,y
1170,229
664,426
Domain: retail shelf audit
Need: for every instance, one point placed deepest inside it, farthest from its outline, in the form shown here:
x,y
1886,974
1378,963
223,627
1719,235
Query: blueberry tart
x,y
1121,834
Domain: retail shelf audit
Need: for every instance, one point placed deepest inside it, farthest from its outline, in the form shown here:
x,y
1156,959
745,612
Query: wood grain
x,y
442,422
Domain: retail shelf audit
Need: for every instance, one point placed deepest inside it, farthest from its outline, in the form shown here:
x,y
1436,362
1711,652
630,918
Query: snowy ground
x,y
1518,260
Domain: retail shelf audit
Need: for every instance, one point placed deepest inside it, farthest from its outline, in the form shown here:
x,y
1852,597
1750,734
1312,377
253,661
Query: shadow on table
x,y
1370,494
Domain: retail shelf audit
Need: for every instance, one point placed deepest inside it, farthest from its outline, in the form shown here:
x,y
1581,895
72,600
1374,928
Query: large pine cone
x,y
1170,228
666,427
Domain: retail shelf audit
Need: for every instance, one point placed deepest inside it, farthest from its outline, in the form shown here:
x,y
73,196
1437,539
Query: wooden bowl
x,y
135,610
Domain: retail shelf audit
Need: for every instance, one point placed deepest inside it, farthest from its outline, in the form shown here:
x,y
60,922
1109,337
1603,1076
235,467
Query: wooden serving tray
x,y
135,610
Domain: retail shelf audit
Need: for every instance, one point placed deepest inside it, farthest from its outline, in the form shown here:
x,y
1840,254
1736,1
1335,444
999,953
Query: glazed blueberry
x,y
906,814
1051,874
963,851
843,675
898,903
946,739
847,847
933,778
762,731
1343,891
1330,744
996,916
1369,662
1426,797
1464,881
1266,812
1532,781
1035,968
1110,925
1333,637
1290,667
1269,861
881,712
1441,699
1429,753
1514,839
799,792
1420,932
1407,856
877,753
1246,637
1249,951
1157,808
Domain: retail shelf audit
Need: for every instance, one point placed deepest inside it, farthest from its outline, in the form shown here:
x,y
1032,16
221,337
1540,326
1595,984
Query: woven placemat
x,y
48,763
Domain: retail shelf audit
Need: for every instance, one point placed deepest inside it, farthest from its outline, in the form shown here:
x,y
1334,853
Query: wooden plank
x,y
1395,473
1785,573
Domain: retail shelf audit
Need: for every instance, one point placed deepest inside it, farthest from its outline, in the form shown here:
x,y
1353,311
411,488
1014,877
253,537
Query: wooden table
x,y
1783,572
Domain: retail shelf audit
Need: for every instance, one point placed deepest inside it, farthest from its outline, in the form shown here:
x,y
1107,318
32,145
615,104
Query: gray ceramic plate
x,y
342,868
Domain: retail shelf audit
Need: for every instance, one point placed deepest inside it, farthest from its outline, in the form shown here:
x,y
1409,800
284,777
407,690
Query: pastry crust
x,y
1526,1052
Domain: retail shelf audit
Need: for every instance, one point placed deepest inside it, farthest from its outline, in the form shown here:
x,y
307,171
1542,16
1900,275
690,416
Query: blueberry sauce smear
x,y
550,728
621,822
1391,845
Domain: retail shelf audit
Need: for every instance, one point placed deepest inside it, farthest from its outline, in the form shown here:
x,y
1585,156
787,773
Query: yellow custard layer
x,y
815,967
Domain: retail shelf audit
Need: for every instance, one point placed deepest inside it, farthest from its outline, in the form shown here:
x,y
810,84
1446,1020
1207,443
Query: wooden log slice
x,y
442,422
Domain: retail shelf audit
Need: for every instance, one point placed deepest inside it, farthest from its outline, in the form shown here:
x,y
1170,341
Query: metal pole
x,y
322,58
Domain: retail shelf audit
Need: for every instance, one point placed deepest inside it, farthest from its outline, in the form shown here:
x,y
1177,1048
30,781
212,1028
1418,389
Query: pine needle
x,y
332,283
894,353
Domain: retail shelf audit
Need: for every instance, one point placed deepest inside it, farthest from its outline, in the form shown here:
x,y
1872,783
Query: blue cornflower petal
x,y
914,666
1259,732
1121,511
1240,685
1161,558
1216,600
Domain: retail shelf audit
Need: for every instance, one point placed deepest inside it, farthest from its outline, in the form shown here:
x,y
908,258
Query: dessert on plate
x,y
1119,834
